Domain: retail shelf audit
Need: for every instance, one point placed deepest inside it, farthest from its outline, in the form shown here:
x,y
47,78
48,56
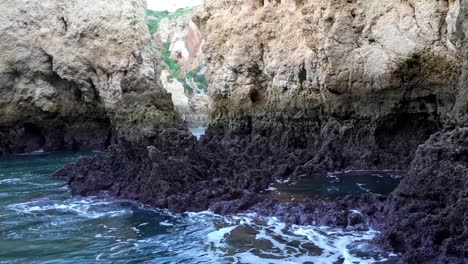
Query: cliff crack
x,y
65,23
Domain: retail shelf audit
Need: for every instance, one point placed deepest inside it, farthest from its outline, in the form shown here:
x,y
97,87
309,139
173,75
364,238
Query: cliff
x,y
428,212
351,85
183,39
179,41
67,72
361,83
299,87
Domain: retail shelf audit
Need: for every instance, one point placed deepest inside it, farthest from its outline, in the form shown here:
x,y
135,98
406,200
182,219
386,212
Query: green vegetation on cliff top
x,y
154,17
195,75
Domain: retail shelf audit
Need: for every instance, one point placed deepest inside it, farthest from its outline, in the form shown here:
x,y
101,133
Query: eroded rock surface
x,y
179,39
427,215
193,108
184,40
326,85
66,69
359,83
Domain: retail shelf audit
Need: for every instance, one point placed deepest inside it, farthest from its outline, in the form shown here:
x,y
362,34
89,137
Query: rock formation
x,y
67,76
351,85
358,83
180,40
193,108
177,91
428,212
299,87
184,40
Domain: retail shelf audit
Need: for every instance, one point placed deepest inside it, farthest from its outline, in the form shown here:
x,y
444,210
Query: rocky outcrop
x,y
427,215
361,84
298,87
193,108
177,91
67,71
350,85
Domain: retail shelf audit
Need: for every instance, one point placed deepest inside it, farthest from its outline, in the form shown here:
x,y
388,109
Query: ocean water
x,y
40,222
337,184
198,131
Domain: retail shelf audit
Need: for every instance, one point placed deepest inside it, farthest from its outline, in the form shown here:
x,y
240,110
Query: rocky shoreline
x,y
208,178
298,89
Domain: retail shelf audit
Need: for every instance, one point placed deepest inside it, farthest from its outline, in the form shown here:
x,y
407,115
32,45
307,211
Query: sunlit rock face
x,y
66,70
360,83
177,91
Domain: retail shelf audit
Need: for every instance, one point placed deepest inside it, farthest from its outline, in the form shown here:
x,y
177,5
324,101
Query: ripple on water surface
x,y
337,184
41,223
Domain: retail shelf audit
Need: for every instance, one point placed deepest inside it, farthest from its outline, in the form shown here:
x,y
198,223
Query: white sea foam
x,y
166,223
10,181
332,244
37,152
283,181
396,176
85,207
207,236
217,237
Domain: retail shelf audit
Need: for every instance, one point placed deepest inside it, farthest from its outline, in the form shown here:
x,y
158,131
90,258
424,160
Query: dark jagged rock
x,y
427,215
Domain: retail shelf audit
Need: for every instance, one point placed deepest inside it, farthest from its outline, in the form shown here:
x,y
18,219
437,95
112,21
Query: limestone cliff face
x,y
180,41
360,83
67,72
353,84
184,40
193,108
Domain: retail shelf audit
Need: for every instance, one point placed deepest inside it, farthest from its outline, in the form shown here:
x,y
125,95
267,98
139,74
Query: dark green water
x,y
40,222
338,184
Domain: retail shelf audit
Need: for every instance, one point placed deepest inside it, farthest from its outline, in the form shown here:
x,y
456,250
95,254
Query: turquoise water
x,y
40,222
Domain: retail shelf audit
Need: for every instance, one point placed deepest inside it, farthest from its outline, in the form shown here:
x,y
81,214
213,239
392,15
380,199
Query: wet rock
x,y
426,216
429,223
